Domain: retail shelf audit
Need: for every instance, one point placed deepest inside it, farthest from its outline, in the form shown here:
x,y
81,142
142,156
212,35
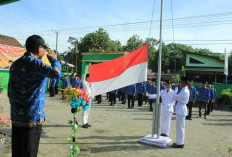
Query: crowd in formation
x,y
178,98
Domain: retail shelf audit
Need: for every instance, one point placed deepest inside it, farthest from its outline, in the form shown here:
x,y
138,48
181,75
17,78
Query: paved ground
x,y
116,130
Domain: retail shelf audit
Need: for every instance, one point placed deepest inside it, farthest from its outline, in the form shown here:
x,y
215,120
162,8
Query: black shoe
x,y
177,145
88,125
85,126
188,118
151,110
162,134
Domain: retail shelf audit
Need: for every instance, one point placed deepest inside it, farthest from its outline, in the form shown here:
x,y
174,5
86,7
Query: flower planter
x,y
2,140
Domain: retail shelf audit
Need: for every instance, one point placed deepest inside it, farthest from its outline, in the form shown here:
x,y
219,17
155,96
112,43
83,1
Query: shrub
x,y
224,98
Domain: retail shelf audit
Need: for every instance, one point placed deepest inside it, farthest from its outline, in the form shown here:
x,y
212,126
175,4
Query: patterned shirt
x,y
76,83
151,89
192,91
131,89
213,93
204,94
141,88
64,82
26,89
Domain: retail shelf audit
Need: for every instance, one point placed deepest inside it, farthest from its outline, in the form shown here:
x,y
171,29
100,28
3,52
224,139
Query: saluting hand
x,y
51,54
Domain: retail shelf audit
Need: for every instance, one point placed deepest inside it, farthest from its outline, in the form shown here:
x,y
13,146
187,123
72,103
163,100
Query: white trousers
x,y
165,122
180,129
85,115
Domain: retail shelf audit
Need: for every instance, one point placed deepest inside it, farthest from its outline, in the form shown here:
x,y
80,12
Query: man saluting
x,y
182,98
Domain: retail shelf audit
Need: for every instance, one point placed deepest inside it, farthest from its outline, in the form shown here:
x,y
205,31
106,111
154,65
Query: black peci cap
x,y
34,41
204,82
168,81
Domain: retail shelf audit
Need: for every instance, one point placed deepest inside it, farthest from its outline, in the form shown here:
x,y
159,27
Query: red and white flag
x,y
120,72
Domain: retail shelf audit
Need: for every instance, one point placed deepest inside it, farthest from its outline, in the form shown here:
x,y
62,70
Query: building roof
x,y
206,55
10,41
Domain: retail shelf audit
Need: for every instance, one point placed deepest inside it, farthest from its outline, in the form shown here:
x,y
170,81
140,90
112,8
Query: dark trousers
x,y
56,89
99,99
151,102
202,104
145,98
123,97
107,95
131,100
140,99
119,95
209,107
52,91
112,98
189,106
25,141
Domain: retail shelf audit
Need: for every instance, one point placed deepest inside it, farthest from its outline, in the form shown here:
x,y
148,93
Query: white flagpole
x,y
156,110
154,139
226,68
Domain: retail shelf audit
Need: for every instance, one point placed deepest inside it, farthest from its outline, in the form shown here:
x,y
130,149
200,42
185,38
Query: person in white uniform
x,y
182,98
87,87
167,108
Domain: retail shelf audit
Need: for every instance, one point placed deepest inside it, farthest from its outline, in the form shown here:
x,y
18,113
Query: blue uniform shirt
x,y
53,82
212,93
204,94
26,89
76,83
131,89
192,91
141,88
151,89
64,82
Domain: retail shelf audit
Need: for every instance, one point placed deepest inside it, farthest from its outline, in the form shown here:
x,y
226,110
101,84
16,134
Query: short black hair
x,y
87,75
33,43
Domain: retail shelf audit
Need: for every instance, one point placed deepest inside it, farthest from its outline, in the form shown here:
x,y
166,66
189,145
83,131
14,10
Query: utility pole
x,y
57,34
77,52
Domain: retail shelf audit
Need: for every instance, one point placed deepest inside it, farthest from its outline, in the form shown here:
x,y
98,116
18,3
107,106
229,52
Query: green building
x,y
89,58
202,67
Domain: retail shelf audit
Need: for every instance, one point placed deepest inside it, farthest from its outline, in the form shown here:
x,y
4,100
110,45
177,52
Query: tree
x,y
99,41
133,43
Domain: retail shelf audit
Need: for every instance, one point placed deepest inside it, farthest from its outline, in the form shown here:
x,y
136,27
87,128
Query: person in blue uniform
x,y
131,91
203,98
192,97
26,92
52,87
214,95
124,94
76,82
57,85
145,94
152,91
211,99
64,84
141,90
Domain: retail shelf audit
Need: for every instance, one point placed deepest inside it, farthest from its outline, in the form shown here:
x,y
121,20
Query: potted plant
x,y
4,121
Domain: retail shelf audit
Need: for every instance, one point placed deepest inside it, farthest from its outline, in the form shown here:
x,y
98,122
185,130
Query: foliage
x,y
2,85
229,150
133,43
224,98
4,118
77,98
176,78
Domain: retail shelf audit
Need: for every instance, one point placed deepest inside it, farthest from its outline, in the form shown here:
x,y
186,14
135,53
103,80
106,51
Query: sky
x,y
198,23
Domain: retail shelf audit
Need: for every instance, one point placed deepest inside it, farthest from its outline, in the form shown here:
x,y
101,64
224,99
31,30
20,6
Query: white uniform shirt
x,y
86,86
182,99
167,100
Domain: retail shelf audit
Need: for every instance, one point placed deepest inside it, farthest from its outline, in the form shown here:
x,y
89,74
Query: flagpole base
x,y
161,142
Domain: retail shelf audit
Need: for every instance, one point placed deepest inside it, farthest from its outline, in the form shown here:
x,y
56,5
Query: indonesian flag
x,y
120,72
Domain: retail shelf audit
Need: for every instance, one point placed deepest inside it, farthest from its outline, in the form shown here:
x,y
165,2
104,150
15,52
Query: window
x,y
194,61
